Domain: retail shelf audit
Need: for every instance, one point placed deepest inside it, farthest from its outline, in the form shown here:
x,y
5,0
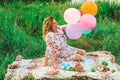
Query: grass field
x,y
21,30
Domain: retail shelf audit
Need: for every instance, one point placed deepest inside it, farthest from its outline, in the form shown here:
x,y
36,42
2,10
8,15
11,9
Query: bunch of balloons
x,y
81,21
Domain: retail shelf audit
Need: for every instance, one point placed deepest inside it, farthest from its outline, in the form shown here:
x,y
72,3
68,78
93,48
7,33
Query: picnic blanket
x,y
99,65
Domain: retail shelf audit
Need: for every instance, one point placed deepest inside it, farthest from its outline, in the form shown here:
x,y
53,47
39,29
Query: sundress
x,y
57,47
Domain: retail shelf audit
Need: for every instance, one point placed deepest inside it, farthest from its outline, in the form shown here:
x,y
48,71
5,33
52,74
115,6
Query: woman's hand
x,y
64,27
43,65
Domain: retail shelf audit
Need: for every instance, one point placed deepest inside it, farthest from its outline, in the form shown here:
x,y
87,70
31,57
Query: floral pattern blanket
x,y
99,65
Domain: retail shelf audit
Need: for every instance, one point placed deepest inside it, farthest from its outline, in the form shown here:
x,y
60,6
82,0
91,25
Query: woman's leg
x,y
78,67
78,57
81,51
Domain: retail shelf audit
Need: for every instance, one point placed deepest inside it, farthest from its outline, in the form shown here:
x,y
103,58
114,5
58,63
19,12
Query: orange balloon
x,y
89,8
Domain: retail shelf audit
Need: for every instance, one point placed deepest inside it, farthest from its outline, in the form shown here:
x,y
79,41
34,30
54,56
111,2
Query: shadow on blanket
x,y
98,65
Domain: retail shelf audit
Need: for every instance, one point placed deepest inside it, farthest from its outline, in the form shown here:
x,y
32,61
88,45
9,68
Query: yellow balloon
x,y
89,8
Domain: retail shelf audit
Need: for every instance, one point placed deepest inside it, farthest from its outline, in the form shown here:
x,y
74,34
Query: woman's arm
x,y
46,61
63,27
49,39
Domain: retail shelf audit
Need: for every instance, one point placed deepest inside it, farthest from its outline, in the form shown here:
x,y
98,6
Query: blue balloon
x,y
86,31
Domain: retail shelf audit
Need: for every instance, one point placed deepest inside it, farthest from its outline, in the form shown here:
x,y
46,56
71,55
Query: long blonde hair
x,y
47,26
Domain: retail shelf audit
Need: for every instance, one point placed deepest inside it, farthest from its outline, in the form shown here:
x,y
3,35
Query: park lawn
x,y
21,30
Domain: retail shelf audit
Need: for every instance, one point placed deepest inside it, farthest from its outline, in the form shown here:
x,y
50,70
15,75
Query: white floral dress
x,y
57,47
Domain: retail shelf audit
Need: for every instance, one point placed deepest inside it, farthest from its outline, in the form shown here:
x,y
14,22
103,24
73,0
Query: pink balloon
x,y
74,31
87,22
72,15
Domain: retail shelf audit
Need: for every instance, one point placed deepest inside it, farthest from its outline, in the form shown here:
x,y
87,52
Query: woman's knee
x,y
81,51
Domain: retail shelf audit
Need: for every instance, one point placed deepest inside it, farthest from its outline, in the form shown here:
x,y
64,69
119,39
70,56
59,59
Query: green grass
x,y
21,30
